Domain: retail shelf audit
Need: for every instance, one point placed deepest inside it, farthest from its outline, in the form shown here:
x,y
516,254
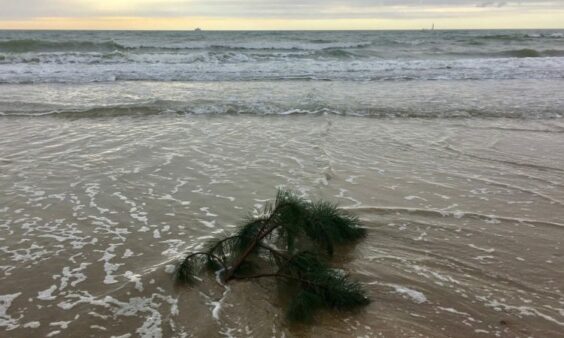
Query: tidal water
x,y
122,151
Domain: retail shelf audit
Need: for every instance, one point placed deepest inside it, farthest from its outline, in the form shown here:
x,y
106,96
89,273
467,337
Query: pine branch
x,y
284,201
282,223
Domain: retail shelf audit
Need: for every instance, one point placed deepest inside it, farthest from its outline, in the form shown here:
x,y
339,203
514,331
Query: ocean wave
x,y
168,107
511,53
529,52
286,46
337,53
35,45
242,67
221,57
31,45
521,36
321,41
163,57
553,52
553,35
119,57
504,37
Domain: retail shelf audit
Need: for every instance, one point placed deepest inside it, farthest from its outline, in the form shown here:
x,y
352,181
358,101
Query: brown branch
x,y
262,275
265,230
212,249
243,257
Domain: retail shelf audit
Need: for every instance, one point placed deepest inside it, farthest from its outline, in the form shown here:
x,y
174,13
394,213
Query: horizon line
x,y
270,30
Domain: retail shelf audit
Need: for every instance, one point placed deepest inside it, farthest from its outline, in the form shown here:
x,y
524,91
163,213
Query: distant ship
x,y
198,29
432,28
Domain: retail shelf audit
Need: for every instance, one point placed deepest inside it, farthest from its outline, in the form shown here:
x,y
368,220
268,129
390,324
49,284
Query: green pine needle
x,y
337,290
249,233
187,270
276,240
303,306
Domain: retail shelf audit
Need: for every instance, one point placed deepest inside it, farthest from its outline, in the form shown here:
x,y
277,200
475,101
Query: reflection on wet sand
x,y
465,222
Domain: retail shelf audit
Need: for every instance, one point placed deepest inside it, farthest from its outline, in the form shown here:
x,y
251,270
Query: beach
x,y
457,174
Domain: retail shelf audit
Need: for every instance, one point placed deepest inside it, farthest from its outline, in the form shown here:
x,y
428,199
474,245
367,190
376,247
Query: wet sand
x,y
465,220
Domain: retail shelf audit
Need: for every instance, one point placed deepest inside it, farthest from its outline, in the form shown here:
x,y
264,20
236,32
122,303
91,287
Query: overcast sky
x,y
281,14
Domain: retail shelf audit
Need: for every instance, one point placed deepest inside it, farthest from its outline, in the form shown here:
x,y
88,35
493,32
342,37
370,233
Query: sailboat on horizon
x,y
432,28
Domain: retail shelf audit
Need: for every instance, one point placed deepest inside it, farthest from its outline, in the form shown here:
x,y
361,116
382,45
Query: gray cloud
x,y
492,4
21,9
299,9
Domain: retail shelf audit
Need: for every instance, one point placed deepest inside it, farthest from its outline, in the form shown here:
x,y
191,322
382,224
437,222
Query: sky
x,y
280,14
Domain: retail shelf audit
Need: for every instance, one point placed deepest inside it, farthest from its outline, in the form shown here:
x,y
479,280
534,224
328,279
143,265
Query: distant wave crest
x,y
31,45
34,45
514,53
529,52
522,36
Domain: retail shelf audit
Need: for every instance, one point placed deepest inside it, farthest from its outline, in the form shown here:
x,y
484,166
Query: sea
x,y
121,151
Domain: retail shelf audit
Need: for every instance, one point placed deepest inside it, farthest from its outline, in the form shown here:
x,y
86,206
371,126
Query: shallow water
x,y
464,215
523,99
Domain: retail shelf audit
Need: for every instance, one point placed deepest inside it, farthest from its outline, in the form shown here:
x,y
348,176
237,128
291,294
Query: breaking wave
x,y
166,107
34,45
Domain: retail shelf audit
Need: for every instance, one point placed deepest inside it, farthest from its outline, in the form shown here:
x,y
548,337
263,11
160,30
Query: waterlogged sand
x,y
465,218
